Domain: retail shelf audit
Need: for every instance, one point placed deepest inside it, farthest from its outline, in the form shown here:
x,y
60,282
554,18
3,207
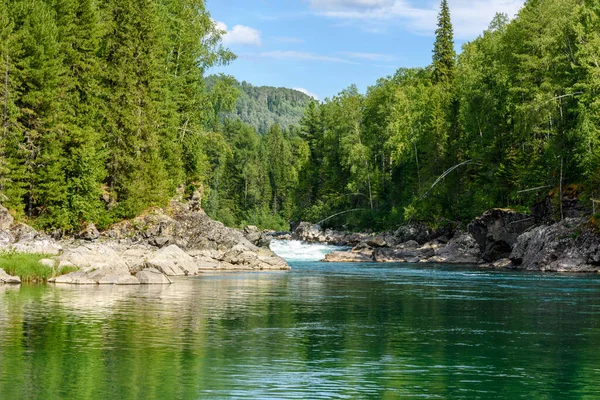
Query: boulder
x,y
377,241
48,262
6,278
307,232
403,254
23,232
497,230
461,249
172,261
152,276
6,220
347,256
94,256
136,256
74,278
204,263
89,232
566,246
252,233
99,263
246,259
419,233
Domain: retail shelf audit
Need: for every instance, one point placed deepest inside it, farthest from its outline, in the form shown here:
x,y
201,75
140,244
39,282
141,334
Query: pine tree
x,y
444,62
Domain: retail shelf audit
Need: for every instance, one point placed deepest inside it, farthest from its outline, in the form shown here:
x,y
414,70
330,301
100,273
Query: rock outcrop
x,y
178,241
462,249
172,261
567,246
497,230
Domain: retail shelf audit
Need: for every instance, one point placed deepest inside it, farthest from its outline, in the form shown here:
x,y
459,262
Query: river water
x,y
381,331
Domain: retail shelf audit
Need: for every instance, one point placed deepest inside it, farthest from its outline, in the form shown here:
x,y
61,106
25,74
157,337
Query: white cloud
x,y
308,93
240,34
469,17
299,55
368,56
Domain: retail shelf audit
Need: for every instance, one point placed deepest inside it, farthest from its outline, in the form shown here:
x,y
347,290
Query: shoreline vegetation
x,y
32,268
106,114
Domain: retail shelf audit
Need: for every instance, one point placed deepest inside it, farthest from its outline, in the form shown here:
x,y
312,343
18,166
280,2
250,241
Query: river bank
x,y
179,240
500,238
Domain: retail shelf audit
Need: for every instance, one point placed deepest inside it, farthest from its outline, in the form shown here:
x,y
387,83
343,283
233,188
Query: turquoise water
x,y
319,331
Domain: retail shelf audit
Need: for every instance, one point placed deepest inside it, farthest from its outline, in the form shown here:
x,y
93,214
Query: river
x,y
381,331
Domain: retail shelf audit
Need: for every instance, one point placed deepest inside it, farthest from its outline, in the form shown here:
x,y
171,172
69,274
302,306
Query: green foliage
x,y
104,107
28,267
517,110
264,106
443,49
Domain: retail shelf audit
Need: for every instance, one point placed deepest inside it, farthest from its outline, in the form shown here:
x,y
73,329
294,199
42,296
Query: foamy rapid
x,y
295,250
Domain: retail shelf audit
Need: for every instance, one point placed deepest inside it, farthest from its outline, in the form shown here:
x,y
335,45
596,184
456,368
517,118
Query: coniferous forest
x,y
106,112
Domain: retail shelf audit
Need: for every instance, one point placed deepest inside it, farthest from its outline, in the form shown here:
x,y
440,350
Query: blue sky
x,y
323,46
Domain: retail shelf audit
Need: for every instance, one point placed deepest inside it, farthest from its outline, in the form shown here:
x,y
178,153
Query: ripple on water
x,y
319,331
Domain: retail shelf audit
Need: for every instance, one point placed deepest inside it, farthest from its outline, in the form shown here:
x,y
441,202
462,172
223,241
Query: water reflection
x,y
321,331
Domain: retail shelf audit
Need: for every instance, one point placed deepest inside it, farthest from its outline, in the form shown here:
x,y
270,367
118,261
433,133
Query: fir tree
x,y
444,62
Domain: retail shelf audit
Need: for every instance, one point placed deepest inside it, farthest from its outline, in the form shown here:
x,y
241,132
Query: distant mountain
x,y
263,106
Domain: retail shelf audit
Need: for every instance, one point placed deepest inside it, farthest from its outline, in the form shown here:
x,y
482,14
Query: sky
x,y
323,46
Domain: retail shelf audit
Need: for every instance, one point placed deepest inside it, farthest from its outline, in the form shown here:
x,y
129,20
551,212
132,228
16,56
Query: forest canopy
x,y
106,112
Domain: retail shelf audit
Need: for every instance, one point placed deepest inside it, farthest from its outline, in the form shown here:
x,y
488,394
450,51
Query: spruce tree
x,y
443,50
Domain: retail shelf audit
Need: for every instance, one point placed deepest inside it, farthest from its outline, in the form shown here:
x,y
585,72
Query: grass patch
x,y
28,267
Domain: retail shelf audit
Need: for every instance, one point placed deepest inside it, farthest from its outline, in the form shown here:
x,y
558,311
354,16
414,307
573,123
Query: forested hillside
x,y
516,115
104,109
263,106
105,112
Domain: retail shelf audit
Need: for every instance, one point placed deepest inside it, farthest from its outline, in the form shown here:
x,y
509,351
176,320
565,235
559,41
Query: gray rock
x,y
252,233
119,279
23,232
152,276
95,256
89,232
161,241
307,232
37,246
377,241
462,249
74,278
172,261
419,233
6,278
497,230
135,257
403,254
241,257
6,238
567,246
348,256
6,220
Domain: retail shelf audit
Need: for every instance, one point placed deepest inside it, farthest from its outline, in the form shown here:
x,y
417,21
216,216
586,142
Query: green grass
x,y
28,267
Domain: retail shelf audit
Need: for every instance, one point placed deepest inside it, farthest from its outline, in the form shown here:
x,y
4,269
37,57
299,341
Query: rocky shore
x,y
179,240
500,238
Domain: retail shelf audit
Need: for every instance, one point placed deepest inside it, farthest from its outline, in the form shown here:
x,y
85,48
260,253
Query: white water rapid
x,y
295,250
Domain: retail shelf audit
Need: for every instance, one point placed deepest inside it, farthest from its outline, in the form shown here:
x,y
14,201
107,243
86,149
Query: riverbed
x,y
319,331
